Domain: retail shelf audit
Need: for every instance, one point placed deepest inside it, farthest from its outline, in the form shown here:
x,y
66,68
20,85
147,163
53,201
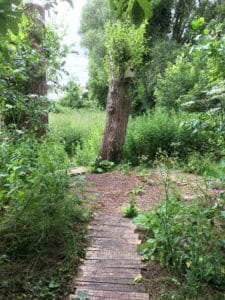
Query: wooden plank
x,y
105,279
108,241
102,286
108,295
109,270
104,254
114,263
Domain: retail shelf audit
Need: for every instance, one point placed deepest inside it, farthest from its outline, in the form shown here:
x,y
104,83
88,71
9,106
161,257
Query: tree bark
x,y
37,84
118,108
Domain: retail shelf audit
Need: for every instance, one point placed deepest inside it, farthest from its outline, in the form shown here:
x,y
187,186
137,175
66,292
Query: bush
x,y
189,238
72,97
41,225
177,134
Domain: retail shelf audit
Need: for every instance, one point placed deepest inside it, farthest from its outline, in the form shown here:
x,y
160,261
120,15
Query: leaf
x,y
53,284
13,24
112,4
137,13
198,23
3,27
138,278
188,264
223,214
2,175
147,8
16,2
99,170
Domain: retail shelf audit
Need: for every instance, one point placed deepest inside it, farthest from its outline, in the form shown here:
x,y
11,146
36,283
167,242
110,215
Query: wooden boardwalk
x,y
111,262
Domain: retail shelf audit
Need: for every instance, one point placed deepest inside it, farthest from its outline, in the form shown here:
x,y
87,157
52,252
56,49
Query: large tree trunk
x,y
118,108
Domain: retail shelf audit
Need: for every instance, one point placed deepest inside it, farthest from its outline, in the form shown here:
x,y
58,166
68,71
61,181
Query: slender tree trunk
x,y
118,108
38,83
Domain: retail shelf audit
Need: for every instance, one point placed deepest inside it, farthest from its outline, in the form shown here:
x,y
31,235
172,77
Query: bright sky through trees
x,y
69,18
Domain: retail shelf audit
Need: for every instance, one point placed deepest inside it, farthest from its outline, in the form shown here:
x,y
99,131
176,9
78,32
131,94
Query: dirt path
x,y
112,261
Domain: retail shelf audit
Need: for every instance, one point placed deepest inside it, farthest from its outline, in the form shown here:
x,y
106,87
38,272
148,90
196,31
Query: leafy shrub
x,y
102,166
72,96
168,131
131,210
40,223
188,237
178,80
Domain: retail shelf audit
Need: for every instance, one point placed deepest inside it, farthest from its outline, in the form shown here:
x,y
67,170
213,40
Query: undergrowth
x,y
187,237
179,134
42,225
80,132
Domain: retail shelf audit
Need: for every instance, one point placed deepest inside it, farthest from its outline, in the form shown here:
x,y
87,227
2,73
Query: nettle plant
x,y
125,46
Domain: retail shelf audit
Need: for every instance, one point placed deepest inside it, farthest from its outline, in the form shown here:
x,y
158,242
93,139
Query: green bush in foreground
x,y
41,227
188,237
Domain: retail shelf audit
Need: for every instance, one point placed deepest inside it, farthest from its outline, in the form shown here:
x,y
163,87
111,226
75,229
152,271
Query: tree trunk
x,y
38,83
118,108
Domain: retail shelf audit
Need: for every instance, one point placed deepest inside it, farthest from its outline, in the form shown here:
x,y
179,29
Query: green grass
x,y
80,131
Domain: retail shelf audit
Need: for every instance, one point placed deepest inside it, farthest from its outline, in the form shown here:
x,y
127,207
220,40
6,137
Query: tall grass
x,y
80,131
167,131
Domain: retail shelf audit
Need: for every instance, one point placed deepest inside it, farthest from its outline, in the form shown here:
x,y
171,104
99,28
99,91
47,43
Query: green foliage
x,y
174,133
9,16
19,64
188,83
125,46
198,23
74,129
72,97
161,53
102,166
88,152
94,16
179,79
204,165
40,223
131,210
187,237
137,10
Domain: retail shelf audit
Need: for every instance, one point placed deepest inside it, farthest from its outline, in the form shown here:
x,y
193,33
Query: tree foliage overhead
x,y
125,46
94,16
137,10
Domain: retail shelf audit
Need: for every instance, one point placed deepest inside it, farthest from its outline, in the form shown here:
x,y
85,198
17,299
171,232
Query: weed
x,y
137,191
125,168
131,210
102,166
78,130
188,237
42,225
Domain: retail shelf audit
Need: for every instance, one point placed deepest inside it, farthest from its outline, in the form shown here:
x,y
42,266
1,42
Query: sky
x,y
69,18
